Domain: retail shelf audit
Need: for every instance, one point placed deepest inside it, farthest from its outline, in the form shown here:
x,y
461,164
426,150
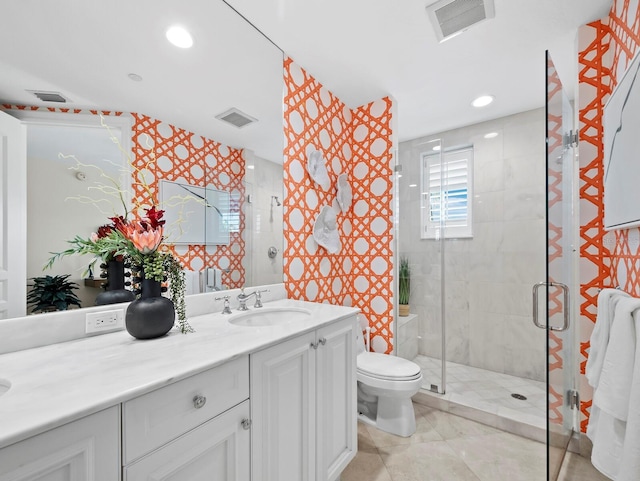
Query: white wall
x,y
488,278
55,215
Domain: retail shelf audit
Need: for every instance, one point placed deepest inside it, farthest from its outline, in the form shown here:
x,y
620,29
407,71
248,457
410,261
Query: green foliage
x,y
177,288
104,248
404,281
49,293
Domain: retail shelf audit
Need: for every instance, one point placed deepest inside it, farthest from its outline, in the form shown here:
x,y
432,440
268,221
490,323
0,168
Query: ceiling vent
x,y
452,17
236,118
49,96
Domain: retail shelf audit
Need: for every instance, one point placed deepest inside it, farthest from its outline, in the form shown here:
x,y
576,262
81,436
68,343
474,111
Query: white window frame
x,y
456,173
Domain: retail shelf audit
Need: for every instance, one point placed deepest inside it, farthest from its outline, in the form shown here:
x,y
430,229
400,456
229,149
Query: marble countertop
x,y
59,383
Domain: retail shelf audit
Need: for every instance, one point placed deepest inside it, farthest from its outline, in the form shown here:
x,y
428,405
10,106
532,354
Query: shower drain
x,y
519,396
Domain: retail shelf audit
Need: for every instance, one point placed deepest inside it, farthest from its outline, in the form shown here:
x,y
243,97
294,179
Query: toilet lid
x,y
387,367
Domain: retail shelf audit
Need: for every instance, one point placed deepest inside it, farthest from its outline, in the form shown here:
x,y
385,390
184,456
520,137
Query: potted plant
x,y
52,293
404,286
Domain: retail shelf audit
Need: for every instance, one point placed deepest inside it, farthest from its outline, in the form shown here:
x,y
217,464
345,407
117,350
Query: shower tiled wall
x,y
488,278
606,258
264,221
357,142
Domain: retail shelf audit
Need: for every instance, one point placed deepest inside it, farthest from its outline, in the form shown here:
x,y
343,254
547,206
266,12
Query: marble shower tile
x,y
451,426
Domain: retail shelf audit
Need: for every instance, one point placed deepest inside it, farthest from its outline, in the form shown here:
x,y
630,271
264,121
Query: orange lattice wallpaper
x,y
167,152
356,142
164,151
606,259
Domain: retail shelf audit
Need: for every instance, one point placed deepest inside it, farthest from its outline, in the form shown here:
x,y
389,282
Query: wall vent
x,y
452,17
49,96
236,118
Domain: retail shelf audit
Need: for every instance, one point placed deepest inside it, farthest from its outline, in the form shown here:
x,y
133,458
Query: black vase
x,y
152,315
115,291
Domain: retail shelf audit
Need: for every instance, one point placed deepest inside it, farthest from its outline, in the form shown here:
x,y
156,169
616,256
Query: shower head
x,y
273,197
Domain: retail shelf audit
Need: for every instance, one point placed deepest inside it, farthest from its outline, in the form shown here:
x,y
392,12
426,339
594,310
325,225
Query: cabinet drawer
x,y
217,450
156,418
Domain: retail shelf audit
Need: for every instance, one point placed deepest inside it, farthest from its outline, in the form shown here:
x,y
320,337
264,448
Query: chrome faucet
x,y
242,299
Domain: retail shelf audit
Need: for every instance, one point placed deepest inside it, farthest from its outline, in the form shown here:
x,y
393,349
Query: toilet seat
x,y
386,367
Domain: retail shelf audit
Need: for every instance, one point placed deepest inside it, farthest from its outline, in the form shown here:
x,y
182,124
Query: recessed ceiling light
x,y
436,148
483,101
250,166
491,135
413,185
179,37
135,77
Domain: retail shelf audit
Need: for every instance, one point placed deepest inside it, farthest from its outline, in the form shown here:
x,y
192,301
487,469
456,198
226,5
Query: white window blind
x,y
447,194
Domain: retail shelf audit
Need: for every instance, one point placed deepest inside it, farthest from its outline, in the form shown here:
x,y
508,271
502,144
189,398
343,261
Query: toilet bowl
x,y
385,387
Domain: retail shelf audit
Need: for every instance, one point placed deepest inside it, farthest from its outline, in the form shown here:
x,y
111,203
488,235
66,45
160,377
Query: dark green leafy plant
x,y
52,293
177,288
404,281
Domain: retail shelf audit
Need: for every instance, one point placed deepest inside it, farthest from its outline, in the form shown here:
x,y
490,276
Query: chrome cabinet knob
x,y
246,424
323,341
199,401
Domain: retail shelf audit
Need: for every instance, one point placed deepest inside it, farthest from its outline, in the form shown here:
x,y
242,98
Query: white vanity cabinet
x,y
86,449
194,429
303,398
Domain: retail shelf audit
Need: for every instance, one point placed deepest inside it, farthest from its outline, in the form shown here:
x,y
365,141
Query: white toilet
x,y
385,386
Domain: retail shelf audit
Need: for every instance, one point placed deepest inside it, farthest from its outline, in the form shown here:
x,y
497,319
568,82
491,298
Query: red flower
x,y
104,231
154,217
119,223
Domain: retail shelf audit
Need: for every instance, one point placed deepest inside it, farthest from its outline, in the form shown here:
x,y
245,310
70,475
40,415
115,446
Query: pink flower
x,y
144,237
94,237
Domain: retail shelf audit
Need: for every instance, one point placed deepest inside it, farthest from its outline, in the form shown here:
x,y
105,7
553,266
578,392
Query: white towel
x,y
191,282
614,424
607,301
630,463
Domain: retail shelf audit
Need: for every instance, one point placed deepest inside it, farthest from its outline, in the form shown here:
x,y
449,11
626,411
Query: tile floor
x,y
446,447
487,391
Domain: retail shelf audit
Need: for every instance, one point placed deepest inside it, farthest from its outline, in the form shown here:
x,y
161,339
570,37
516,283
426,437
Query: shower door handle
x,y
565,308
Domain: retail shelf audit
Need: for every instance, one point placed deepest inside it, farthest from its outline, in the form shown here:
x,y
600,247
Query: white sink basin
x,y
269,316
4,386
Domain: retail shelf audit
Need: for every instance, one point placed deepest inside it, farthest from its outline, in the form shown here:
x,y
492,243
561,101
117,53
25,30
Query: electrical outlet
x,y
104,321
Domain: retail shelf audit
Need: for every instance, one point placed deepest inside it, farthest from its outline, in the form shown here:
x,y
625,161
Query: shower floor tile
x,y
487,391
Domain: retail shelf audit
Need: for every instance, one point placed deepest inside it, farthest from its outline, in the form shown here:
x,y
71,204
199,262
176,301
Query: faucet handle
x,y
259,298
227,306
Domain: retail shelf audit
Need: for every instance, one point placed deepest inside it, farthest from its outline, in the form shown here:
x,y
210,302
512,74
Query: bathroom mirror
x,y
196,215
114,57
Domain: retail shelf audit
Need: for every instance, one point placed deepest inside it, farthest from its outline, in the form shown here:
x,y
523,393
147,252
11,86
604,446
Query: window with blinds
x,y
447,194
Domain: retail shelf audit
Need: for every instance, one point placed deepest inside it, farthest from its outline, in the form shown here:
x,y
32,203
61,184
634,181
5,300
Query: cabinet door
x,y
336,399
84,450
217,450
283,411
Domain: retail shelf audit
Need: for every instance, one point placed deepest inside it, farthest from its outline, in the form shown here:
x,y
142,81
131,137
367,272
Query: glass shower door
x,y
561,393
